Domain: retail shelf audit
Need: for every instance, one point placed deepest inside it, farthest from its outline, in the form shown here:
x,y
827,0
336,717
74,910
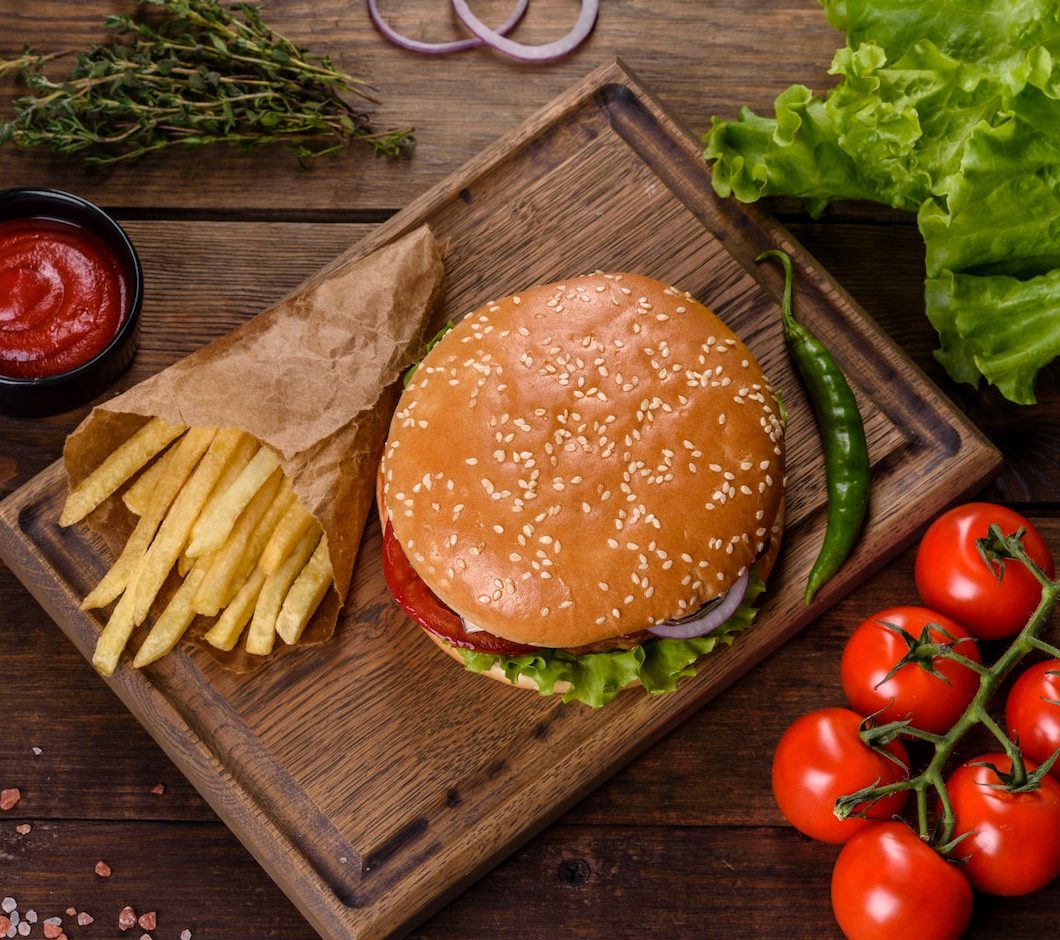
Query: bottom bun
x,y
496,672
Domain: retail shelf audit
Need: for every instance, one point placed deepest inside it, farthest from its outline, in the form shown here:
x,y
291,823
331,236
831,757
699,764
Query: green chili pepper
x,y
846,456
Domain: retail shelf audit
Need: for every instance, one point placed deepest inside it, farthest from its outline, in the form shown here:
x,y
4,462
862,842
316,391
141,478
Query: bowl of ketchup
x,y
71,288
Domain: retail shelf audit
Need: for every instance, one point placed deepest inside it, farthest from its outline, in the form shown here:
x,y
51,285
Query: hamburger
x,y
582,488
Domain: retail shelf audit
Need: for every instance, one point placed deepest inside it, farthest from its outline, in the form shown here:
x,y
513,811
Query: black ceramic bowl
x,y
33,397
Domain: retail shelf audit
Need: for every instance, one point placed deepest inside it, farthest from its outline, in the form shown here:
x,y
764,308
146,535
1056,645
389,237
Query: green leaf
x,y
1001,327
953,113
596,678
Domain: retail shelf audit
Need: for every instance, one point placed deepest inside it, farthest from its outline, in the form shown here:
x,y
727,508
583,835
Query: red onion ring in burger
x,y
440,48
546,52
713,617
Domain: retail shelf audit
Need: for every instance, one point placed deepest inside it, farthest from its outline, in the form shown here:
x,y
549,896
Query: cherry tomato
x,y
1032,712
820,758
953,579
887,883
1013,846
931,691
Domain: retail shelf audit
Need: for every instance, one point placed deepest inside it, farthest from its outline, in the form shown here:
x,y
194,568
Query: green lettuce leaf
x,y
952,113
596,678
1000,210
1001,327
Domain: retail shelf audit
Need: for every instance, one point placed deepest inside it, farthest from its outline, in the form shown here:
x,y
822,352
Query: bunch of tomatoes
x,y
915,680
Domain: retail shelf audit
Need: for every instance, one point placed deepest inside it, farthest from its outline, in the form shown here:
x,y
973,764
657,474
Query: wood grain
x,y
90,787
595,874
365,828
689,50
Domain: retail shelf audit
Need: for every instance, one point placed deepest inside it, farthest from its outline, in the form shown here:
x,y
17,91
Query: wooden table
x,y
685,841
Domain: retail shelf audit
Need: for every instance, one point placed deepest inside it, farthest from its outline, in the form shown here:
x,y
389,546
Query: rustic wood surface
x,y
686,840
330,765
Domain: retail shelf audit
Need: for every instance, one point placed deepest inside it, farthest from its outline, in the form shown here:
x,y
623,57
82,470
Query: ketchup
x,y
63,296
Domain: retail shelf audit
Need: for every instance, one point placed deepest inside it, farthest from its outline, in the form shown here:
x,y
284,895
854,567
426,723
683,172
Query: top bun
x,y
581,460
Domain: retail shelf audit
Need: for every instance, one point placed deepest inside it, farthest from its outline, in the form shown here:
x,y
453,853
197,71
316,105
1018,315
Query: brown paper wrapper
x,y
316,378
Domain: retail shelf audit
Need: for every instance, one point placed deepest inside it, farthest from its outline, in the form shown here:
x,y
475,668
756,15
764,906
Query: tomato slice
x,y
424,606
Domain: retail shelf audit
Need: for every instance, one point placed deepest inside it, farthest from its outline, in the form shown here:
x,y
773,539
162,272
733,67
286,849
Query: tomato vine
x,y
997,548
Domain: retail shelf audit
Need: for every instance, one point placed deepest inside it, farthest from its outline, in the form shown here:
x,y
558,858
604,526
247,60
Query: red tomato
x,y
952,577
887,883
932,702
1032,712
820,758
1013,846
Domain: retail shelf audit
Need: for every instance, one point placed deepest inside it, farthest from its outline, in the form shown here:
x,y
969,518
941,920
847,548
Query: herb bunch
x,y
192,73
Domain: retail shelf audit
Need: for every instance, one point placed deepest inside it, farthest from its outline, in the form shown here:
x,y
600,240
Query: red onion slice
x,y
710,620
439,48
547,52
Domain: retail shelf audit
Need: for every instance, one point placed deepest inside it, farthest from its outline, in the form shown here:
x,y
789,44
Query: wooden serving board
x,y
371,777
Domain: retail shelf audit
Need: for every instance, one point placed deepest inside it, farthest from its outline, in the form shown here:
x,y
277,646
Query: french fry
x,y
305,595
117,468
262,633
225,633
173,622
138,495
294,524
215,524
179,462
116,633
215,504
173,533
245,449
248,563
214,588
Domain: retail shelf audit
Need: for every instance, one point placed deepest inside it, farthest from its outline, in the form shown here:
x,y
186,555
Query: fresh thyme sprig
x,y
193,73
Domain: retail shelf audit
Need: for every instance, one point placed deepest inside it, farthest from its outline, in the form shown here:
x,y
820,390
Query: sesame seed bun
x,y
580,461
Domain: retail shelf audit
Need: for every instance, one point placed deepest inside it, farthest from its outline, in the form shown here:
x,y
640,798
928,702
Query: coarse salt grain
x,y
70,911
126,918
23,929
158,789
145,936
185,935
84,919
36,751
5,924
31,916
9,798
8,905
51,930
102,869
148,921
23,829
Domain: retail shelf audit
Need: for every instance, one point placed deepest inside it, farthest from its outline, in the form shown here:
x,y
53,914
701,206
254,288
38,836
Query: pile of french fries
x,y
216,505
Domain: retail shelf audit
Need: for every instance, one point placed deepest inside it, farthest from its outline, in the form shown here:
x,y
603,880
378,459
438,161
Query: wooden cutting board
x,y
371,777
